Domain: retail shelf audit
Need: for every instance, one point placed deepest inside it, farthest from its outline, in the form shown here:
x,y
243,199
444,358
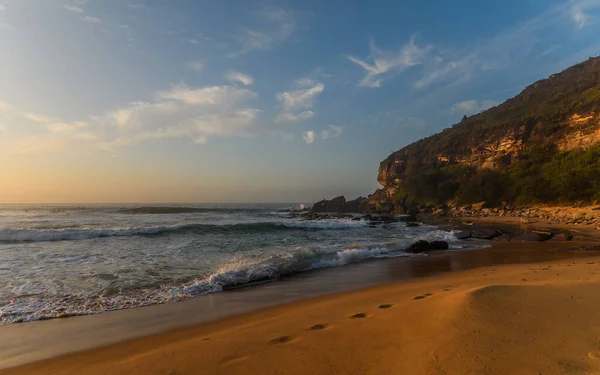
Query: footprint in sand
x,y
233,360
386,306
423,296
282,340
318,327
359,316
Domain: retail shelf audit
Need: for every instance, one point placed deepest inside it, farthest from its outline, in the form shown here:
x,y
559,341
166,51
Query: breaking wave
x,y
237,273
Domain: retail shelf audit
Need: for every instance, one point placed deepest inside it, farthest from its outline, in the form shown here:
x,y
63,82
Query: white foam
x,y
438,235
355,255
238,271
327,224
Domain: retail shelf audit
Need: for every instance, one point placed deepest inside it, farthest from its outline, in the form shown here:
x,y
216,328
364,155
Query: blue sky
x,y
254,101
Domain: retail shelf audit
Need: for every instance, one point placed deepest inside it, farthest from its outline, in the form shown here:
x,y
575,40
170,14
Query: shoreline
x,y
327,333
52,340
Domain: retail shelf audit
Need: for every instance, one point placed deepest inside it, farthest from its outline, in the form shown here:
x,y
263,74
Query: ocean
x,y
58,260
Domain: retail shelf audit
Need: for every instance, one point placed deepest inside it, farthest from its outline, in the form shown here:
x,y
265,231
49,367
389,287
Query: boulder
x,y
478,206
412,213
423,246
503,238
439,245
412,224
482,233
543,234
532,236
463,235
563,236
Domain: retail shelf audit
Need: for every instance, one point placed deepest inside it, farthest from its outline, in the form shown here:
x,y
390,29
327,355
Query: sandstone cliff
x,y
541,146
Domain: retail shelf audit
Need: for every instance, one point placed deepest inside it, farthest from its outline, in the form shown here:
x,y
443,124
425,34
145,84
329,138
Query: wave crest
x,y
8,235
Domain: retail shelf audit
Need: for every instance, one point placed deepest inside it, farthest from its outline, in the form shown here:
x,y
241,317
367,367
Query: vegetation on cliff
x,y
541,146
539,175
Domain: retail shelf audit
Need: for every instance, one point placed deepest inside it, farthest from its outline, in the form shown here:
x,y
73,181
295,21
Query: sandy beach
x,y
531,318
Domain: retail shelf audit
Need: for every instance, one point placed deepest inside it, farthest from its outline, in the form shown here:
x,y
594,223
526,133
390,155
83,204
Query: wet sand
x,y
136,333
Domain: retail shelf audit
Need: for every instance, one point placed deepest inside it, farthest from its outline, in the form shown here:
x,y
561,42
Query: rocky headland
x,y
535,157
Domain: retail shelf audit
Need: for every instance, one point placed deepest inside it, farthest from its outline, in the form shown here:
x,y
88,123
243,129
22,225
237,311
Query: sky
x,y
113,101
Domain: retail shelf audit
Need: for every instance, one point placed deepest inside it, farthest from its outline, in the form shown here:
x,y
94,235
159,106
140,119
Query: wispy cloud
x,y
579,17
73,8
297,104
280,25
302,98
77,7
129,35
331,131
37,118
91,19
237,77
293,117
58,136
135,6
470,107
389,61
584,12
551,49
511,47
3,24
196,65
309,136
5,107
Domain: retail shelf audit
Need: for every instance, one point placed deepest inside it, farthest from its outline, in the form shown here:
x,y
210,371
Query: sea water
x,y
58,261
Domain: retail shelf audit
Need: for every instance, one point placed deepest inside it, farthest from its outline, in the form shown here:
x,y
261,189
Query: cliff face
x,y
554,119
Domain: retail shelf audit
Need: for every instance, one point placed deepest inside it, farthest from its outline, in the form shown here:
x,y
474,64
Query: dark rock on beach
x,y
423,246
463,235
485,233
563,236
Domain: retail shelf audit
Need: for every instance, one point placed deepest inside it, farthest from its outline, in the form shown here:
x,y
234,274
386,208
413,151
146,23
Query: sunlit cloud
x,y
384,62
185,112
237,77
52,134
309,136
297,104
